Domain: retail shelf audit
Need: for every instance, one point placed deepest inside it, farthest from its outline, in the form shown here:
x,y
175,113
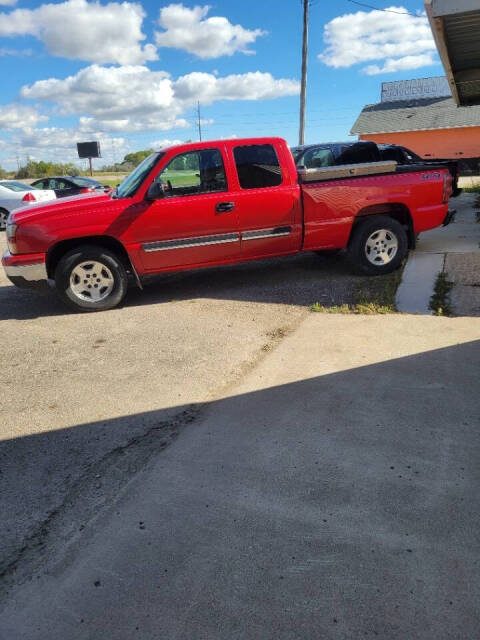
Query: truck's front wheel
x,y
91,278
378,245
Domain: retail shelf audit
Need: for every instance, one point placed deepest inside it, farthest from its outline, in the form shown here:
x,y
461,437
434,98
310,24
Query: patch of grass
x,y
358,309
440,300
277,334
371,296
378,294
320,308
110,182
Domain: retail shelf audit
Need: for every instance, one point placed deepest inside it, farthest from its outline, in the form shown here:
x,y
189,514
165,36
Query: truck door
x,y
268,204
196,221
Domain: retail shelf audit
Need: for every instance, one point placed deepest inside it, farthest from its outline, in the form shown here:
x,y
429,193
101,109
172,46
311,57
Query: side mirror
x,y
155,191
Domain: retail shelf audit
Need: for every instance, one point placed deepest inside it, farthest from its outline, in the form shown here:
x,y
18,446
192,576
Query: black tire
x,y
91,261
383,258
3,219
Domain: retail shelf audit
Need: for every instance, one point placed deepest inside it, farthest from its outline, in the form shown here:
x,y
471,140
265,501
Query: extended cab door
x,y
267,201
196,221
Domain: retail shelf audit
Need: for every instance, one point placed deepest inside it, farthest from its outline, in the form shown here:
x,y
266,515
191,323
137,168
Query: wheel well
x,y
394,210
55,253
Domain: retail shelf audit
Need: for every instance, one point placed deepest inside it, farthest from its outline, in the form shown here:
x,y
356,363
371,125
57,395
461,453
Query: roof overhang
x,y
456,28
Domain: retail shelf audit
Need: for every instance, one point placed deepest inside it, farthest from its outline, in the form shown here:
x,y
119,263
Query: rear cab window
x,y
257,166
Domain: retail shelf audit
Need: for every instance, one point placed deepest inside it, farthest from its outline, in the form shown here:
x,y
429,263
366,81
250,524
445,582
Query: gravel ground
x,y
464,270
139,374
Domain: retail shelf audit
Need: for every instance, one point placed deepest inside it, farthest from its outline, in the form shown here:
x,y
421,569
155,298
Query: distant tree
x,y
136,157
3,173
178,164
42,169
191,162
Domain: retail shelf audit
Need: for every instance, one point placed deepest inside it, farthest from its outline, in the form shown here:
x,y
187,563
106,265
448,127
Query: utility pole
x,y
113,151
199,122
303,90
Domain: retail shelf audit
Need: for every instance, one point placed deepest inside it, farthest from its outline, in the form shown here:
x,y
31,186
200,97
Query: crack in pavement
x,y
56,538
88,497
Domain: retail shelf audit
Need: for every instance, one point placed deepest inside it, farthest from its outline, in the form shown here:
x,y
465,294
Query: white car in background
x,y
15,194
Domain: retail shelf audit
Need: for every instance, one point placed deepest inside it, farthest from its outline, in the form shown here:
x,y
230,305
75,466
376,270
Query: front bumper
x,y
26,272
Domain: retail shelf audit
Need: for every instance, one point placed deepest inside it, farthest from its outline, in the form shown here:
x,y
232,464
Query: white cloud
x,y
8,3
191,30
402,40
254,85
162,144
129,98
59,144
134,98
77,29
4,51
14,116
400,64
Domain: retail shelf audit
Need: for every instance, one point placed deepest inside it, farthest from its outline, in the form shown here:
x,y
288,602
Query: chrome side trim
x,y
276,232
187,243
30,272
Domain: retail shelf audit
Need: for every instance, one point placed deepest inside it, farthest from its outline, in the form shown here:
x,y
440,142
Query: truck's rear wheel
x,y
379,245
91,278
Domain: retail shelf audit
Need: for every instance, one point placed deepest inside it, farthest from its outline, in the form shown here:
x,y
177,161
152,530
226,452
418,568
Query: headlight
x,y
11,237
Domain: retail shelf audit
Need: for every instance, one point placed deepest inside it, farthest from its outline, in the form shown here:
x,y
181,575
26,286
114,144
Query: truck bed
x,y
332,204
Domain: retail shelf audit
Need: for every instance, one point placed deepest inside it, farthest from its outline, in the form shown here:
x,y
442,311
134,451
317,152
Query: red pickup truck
x,y
215,203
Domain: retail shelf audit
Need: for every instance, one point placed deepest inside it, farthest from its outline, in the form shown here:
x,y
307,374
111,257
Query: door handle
x,y
224,207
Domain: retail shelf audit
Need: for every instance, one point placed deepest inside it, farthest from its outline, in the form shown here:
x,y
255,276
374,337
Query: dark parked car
x,y
314,156
70,186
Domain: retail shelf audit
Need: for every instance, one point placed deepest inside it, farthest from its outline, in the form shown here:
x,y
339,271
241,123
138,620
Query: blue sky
x,y
130,73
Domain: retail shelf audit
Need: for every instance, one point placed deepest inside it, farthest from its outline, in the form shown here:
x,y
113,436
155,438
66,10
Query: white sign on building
x,y
417,89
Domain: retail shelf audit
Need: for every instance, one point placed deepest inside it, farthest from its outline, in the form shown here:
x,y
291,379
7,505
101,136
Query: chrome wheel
x,y
3,220
91,281
381,247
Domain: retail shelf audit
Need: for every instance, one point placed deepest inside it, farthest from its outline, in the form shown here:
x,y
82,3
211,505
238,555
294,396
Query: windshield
x,y
16,186
133,181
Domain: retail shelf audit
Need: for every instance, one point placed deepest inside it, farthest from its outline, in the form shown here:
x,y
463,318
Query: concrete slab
x,y
418,281
461,237
332,494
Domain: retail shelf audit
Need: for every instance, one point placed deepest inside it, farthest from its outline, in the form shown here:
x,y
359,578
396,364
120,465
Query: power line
x,y
369,6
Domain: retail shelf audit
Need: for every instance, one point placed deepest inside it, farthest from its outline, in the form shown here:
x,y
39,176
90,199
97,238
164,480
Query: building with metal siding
x,y
433,126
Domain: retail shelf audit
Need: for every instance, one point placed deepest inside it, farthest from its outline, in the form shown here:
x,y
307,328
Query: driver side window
x,y
194,172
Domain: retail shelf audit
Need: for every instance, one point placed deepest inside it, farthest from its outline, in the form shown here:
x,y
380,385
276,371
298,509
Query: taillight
x,y
29,197
447,187
86,190
11,237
